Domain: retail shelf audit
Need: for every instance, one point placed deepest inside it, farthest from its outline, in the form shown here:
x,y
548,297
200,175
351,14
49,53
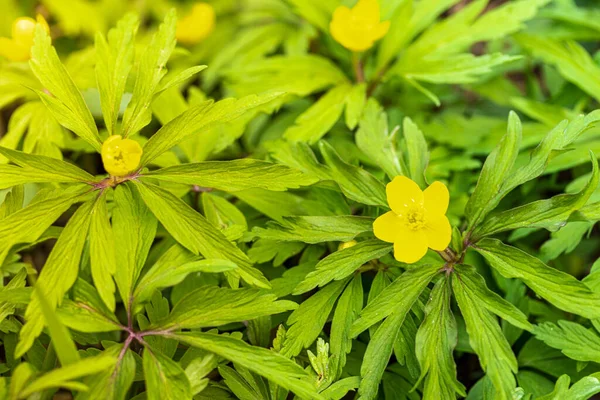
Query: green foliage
x,y
239,259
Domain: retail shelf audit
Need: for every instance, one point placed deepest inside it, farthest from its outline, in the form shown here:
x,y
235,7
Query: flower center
x,y
415,217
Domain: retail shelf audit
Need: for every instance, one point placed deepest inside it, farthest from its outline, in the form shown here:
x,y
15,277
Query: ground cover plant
x,y
299,199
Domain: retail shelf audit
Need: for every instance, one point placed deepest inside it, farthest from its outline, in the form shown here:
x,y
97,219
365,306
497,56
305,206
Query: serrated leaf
x,y
111,383
343,263
231,176
418,155
214,306
195,233
57,276
269,364
574,340
63,98
165,379
399,295
435,342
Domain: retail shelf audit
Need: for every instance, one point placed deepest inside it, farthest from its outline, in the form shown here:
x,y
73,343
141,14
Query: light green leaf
x,y
355,104
346,312
149,74
57,276
225,216
313,229
214,306
318,119
114,60
418,156
306,322
134,228
111,383
551,214
62,96
486,338
375,140
495,171
560,289
194,232
574,340
343,263
200,118
29,223
62,377
273,366
399,295
165,379
102,252
474,285
435,342
355,182
235,175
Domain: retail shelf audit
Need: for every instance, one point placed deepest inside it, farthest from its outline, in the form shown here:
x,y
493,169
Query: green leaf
x,y
86,311
551,214
307,321
574,340
61,338
571,59
114,60
165,274
343,263
560,289
149,74
349,305
225,216
435,342
61,95
355,104
21,376
62,377
194,232
134,228
102,252
29,223
375,140
263,362
355,182
37,168
474,285
313,229
57,276
215,306
201,118
418,156
398,296
231,176
13,201
488,341
495,171
339,389
165,379
111,383
319,118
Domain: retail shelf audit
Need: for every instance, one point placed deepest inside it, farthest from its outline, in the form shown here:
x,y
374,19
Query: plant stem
x,y
358,67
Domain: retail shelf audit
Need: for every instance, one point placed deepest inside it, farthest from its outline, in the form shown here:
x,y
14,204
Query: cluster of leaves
x,y
239,260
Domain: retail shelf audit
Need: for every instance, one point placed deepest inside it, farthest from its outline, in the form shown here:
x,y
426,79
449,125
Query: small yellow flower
x,y
18,47
417,220
120,156
358,28
197,25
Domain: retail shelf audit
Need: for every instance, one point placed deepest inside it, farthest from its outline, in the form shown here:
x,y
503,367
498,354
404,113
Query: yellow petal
x,y
23,30
120,156
12,50
387,227
380,30
410,246
367,11
197,25
402,193
437,198
438,231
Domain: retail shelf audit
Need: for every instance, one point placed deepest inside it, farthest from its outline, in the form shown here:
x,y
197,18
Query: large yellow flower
x,y
417,220
358,28
197,25
121,156
18,47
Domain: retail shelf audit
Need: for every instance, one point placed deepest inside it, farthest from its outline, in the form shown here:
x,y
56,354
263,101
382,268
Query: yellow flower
x,y
417,220
197,25
18,47
120,156
358,28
